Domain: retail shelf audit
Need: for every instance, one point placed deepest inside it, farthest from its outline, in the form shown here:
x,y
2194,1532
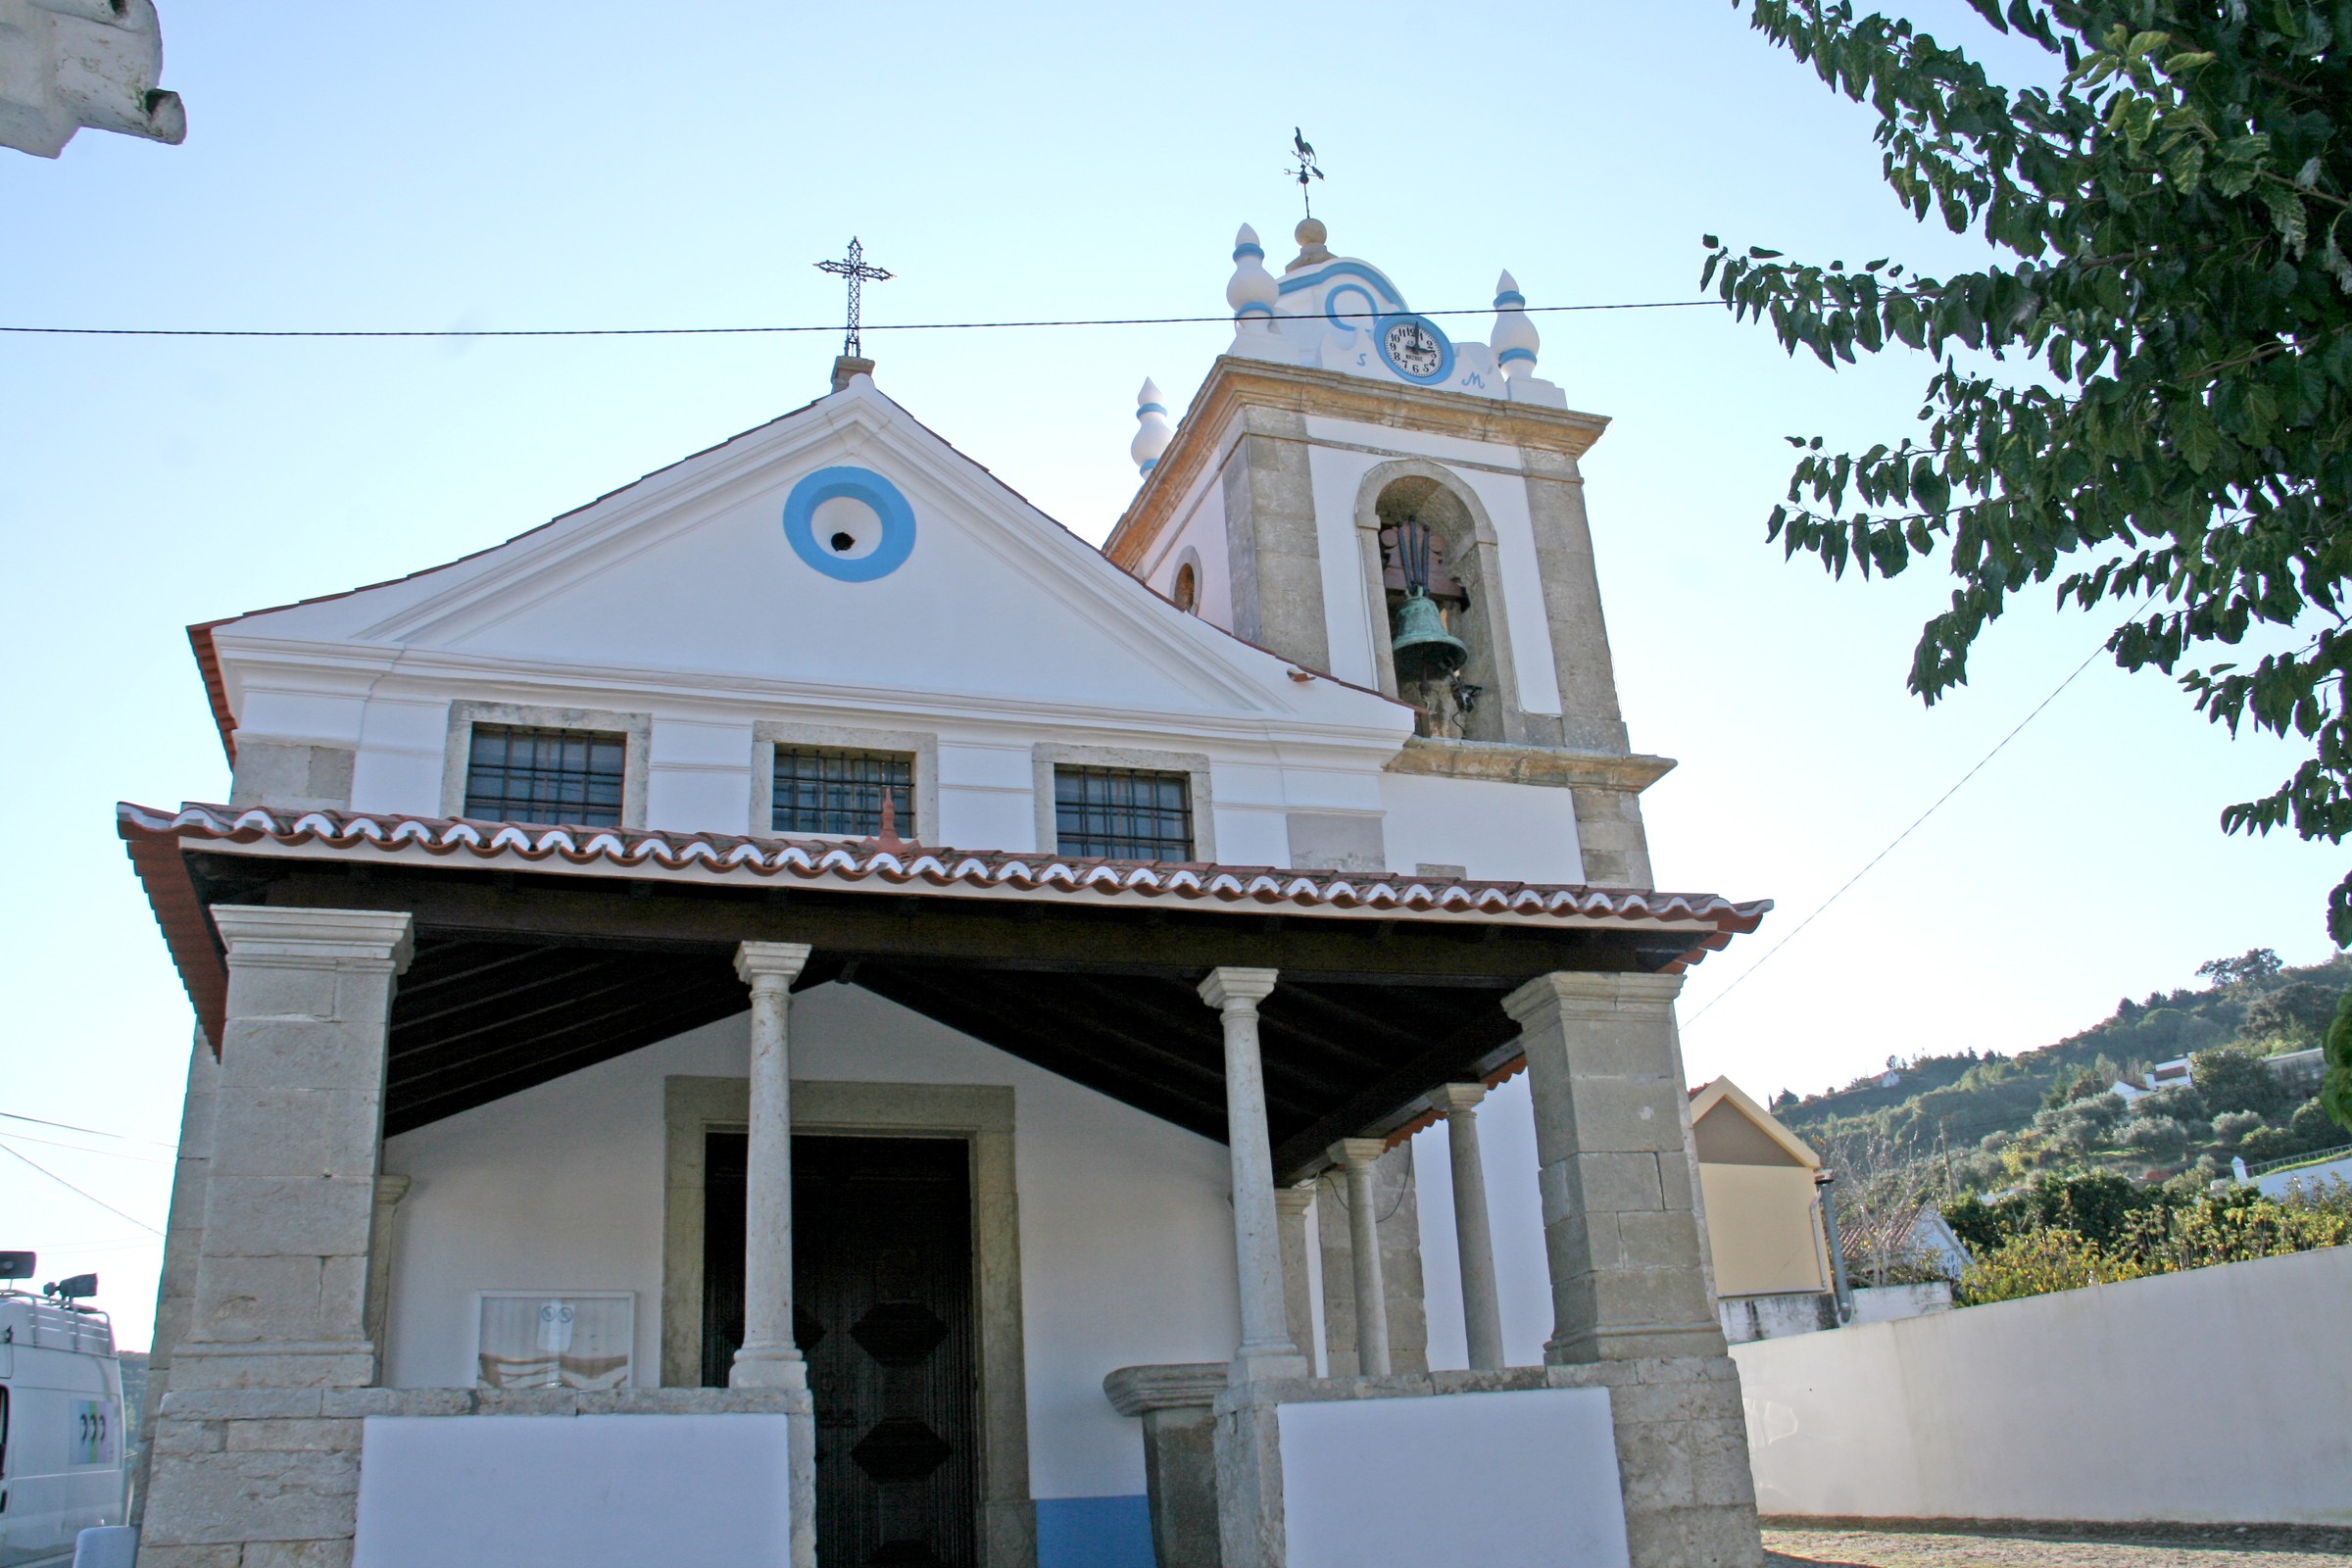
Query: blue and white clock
x,y
1414,347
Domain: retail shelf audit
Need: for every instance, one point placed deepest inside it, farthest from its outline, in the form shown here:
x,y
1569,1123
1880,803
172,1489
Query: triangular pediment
x,y
843,548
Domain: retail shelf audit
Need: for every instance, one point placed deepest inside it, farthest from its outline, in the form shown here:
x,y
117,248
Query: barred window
x,y
519,774
1123,813
820,791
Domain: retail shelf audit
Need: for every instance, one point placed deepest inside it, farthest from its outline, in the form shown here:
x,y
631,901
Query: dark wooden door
x,y
882,1308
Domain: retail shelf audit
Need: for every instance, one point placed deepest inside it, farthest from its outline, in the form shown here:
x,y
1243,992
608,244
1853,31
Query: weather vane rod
x,y
859,275
1302,153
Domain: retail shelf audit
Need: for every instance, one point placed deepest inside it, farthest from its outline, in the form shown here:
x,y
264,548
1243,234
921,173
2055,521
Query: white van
x,y
62,1421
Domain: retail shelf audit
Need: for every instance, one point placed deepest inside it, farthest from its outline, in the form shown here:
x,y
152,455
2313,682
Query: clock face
x,y
1413,349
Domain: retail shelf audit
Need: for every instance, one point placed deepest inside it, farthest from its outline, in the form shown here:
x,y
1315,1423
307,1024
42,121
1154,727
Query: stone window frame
x,y
1188,557
921,745
1045,756
1486,574
635,729
981,1115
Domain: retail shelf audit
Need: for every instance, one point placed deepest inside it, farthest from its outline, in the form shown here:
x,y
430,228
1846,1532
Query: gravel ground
x,y
1889,1544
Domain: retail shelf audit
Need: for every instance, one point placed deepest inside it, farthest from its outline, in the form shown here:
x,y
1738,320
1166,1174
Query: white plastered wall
x,y
1126,1224
1201,532
2080,1404
1509,832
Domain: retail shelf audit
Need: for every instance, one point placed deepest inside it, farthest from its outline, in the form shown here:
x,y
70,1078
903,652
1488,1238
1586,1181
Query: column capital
x,y
1231,987
781,961
1358,1151
1451,1099
1589,991
259,935
1291,1202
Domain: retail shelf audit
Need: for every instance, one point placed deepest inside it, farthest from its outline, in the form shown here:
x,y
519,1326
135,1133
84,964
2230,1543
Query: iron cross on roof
x,y
854,269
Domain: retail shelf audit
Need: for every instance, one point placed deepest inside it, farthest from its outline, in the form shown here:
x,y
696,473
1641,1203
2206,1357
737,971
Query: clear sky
x,y
436,164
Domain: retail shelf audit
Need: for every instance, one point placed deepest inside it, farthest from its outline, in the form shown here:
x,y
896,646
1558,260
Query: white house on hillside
x,y
800,1011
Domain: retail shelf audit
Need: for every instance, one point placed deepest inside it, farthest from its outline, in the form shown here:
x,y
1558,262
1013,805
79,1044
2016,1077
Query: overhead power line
x,y
92,1132
79,1193
85,1148
738,332
1818,909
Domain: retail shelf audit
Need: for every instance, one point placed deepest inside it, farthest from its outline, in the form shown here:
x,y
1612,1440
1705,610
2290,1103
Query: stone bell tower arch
x,y
1309,438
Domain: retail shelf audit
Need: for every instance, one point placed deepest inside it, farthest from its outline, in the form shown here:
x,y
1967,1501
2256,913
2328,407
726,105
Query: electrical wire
x,y
734,331
85,1148
1892,844
92,1132
79,1193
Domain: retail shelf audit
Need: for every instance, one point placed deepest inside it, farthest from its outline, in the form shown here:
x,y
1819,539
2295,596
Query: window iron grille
x,y
822,791
1121,813
516,773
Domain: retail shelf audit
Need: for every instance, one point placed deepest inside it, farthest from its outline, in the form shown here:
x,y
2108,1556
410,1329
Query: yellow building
x,y
1763,1213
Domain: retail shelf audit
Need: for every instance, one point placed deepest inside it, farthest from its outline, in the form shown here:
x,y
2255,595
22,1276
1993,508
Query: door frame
x,y
979,1115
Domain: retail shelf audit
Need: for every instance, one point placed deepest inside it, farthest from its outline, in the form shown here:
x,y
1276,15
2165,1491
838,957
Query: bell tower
x,y
1356,492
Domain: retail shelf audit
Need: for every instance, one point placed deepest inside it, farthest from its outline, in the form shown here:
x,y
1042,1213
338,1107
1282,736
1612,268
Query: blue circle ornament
x,y
1434,361
889,551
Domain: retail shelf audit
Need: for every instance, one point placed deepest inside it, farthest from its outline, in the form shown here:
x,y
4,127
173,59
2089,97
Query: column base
x,y
767,1369
1637,1342
1261,1366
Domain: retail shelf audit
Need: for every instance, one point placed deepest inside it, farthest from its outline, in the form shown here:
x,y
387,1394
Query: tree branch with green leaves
x,y
2166,422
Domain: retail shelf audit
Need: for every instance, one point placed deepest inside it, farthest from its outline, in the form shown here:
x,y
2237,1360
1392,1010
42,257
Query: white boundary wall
x,y
2218,1395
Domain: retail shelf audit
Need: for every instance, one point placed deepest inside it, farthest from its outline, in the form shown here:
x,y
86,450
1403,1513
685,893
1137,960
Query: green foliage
x,y
2233,1079
2255,965
2295,1015
2041,1245
2175,317
2335,1093
1988,1122
2038,1262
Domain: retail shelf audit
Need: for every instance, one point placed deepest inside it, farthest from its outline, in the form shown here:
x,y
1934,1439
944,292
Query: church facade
x,y
716,1041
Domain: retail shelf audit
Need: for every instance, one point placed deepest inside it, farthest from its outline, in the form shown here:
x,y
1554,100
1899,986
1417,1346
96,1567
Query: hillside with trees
x,y
1982,1122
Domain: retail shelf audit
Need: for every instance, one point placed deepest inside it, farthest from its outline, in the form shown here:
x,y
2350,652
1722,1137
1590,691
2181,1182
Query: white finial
x,y
1153,432
1253,291
1514,339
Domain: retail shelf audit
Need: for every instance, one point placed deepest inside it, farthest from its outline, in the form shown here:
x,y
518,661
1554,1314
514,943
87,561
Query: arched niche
x,y
1428,493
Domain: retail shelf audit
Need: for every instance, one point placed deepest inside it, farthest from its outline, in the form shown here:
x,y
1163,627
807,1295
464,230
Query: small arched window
x,y
1186,589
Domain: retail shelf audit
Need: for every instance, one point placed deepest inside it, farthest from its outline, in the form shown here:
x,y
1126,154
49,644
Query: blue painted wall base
x,y
1094,1533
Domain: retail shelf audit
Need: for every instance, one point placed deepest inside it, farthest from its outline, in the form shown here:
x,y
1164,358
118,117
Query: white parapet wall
x,y
573,1492
2216,1395
1527,1477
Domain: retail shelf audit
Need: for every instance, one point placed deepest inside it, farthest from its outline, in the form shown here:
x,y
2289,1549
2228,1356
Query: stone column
x,y
184,1245
1357,1157
289,1212
768,1359
252,1444
1474,1240
1292,1206
1620,1197
1265,1351
1631,1307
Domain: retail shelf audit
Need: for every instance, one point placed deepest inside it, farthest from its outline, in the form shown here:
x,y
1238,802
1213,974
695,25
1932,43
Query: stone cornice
x,y
1137,1389
1235,385
1552,765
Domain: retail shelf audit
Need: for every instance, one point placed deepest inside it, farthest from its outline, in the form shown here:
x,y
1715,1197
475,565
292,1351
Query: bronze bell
x,y
1425,649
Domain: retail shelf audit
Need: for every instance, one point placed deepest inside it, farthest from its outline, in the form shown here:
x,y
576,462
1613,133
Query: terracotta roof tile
x,y
904,865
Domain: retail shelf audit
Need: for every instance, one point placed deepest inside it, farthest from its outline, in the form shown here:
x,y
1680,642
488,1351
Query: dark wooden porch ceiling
x,y
520,979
